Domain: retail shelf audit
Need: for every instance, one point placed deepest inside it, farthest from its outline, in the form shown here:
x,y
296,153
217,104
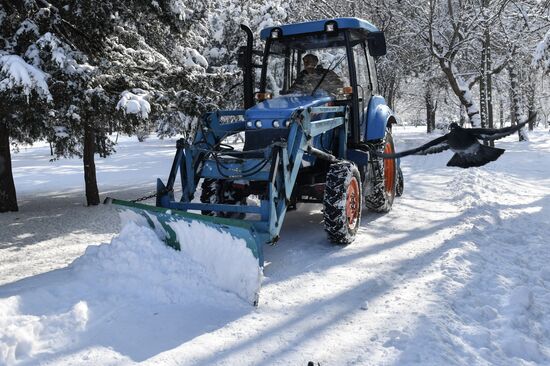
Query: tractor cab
x,y
342,50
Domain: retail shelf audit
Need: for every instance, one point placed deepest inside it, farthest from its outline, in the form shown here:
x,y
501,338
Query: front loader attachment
x,y
230,250
267,168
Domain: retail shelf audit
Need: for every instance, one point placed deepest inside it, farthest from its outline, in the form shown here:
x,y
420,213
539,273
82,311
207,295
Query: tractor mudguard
x,y
376,119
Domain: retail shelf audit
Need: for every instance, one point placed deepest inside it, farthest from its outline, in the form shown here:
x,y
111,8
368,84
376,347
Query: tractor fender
x,y
377,118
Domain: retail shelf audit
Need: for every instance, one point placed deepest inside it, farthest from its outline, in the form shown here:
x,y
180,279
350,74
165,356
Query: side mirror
x,y
377,44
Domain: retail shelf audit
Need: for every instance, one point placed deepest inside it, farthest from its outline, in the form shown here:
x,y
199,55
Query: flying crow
x,y
464,143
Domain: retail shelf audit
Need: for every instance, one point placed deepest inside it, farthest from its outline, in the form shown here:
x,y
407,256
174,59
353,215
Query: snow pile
x,y
136,272
228,261
19,74
222,259
134,102
23,336
137,264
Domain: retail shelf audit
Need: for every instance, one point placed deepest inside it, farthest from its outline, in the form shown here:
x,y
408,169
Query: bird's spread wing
x,y
490,134
435,146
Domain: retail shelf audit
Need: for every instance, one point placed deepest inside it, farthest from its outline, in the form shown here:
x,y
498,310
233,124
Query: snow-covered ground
x,y
456,274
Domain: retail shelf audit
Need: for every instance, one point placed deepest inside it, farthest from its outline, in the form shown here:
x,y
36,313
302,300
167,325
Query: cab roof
x,y
319,26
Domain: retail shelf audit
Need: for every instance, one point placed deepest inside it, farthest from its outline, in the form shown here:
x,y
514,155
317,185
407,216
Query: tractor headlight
x,y
276,124
263,96
287,123
249,124
258,124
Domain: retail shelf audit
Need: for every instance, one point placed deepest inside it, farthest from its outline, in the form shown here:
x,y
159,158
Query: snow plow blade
x,y
228,249
165,221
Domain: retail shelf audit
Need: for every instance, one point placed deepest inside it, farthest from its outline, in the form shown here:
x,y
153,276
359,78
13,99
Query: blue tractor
x,y
308,135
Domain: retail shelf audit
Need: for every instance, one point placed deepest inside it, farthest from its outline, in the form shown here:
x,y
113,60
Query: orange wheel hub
x,y
389,169
352,203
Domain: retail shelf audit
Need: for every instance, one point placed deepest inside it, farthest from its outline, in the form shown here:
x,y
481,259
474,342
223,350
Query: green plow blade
x,y
164,222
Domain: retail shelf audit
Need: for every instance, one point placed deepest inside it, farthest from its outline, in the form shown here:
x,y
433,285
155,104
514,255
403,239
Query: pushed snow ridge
x,y
135,270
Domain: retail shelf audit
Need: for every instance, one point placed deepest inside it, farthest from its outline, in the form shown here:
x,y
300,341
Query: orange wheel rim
x,y
389,170
352,203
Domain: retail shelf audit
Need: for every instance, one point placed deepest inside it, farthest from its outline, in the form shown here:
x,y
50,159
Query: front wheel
x,y
381,179
342,202
219,191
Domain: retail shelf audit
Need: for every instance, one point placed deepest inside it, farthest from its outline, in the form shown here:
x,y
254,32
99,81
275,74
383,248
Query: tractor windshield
x,y
304,64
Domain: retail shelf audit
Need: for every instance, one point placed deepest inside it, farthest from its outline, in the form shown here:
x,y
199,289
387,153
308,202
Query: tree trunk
x,y
430,110
501,112
514,88
463,116
489,80
531,103
8,197
391,93
92,193
483,87
532,118
461,90
490,112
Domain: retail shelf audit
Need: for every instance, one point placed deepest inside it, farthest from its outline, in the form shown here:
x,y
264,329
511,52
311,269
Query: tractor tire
x,y
381,180
218,191
342,202
210,193
400,183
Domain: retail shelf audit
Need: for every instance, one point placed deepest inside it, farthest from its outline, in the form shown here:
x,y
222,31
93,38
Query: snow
x,y
134,102
61,131
17,73
25,335
216,53
229,262
230,265
135,266
63,56
178,8
190,57
27,26
455,274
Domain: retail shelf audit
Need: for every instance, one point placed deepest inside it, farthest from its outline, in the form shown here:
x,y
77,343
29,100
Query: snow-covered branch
x,y
17,73
134,102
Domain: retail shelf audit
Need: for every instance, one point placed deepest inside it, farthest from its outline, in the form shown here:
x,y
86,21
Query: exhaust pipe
x,y
245,62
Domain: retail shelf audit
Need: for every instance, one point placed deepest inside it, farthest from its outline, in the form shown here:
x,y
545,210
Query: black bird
x,y
464,143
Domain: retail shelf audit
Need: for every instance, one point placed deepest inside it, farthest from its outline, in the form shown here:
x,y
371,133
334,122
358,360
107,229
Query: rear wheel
x,y
381,179
342,202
